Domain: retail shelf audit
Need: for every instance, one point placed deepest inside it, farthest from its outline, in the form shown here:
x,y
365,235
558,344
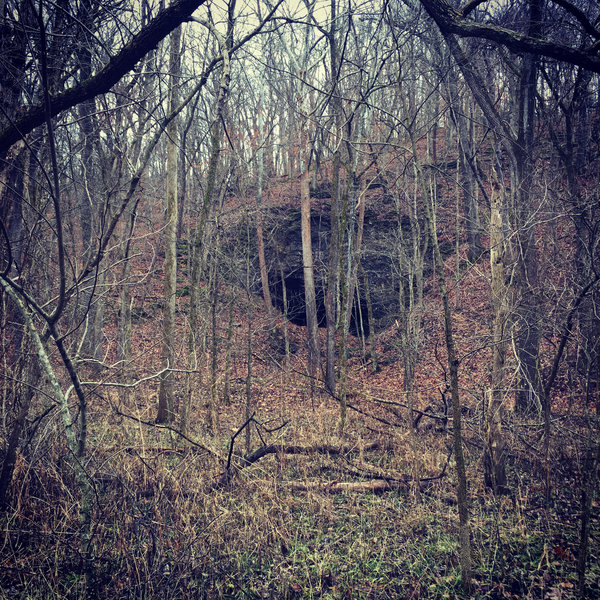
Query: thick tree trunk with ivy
x,y
165,394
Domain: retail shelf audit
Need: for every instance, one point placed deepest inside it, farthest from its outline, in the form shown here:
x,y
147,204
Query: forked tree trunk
x,y
77,447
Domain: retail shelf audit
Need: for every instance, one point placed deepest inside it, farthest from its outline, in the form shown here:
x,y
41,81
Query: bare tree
x,y
165,395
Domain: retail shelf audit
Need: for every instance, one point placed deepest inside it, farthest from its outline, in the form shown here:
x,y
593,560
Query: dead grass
x,y
161,531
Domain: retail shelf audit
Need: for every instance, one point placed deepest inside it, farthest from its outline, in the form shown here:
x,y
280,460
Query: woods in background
x,y
351,164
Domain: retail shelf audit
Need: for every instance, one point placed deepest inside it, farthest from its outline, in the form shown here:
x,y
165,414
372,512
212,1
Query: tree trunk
x,y
90,306
370,319
124,346
466,167
165,395
216,133
286,337
227,374
334,263
264,272
77,447
495,455
309,281
31,375
528,336
464,532
214,337
518,150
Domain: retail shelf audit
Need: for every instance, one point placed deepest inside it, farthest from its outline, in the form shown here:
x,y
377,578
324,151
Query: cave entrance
x,y
296,309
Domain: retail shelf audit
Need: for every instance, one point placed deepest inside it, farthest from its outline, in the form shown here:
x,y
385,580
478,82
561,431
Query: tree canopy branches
x,y
119,65
452,20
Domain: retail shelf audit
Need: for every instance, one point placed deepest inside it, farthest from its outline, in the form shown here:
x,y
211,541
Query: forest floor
x,y
302,511
318,516
370,515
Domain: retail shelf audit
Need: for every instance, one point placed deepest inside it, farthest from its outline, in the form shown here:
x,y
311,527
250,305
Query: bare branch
x,y
451,20
119,65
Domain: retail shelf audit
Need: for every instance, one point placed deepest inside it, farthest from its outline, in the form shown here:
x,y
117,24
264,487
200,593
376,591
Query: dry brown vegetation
x,y
164,433
305,514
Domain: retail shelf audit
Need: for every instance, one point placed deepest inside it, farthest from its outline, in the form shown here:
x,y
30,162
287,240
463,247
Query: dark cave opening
x,y
296,308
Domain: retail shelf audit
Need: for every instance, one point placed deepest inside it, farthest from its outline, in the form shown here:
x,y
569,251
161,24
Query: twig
x,y
231,444
167,427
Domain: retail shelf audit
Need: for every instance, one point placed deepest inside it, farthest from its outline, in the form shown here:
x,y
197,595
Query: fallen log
x,y
321,449
377,485
249,459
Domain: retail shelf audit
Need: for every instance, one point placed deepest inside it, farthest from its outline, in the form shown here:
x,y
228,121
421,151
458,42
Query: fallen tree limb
x,y
259,453
174,430
377,485
181,450
324,449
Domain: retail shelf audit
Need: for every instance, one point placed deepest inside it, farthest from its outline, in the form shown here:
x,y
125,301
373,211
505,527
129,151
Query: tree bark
x,y
495,455
453,21
335,216
119,65
165,394
528,340
309,280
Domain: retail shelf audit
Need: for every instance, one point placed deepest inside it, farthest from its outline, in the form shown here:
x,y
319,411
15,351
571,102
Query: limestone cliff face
x,y
283,248
379,258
